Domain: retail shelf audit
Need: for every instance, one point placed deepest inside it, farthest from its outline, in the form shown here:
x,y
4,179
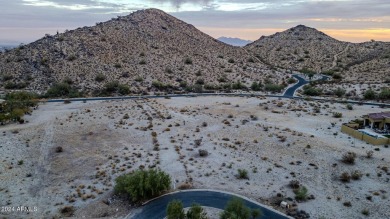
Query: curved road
x,y
156,209
301,81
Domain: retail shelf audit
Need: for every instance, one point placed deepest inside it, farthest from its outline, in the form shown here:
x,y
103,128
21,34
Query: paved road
x,y
301,81
156,209
291,90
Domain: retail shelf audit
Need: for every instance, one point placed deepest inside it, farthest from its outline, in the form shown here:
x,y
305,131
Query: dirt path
x,y
335,57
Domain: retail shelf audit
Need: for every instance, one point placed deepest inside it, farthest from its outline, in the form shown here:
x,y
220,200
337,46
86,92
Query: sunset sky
x,y
24,21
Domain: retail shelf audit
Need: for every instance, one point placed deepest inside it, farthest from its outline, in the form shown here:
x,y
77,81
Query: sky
x,y
24,21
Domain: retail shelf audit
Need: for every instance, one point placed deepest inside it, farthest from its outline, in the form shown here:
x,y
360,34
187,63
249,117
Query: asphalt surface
x,y
291,90
156,209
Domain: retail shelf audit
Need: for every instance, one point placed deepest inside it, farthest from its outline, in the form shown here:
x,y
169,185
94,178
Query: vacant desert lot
x,y
276,141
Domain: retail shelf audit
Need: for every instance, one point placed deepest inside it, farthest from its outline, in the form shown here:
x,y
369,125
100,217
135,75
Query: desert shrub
x,y
235,208
183,84
294,184
345,177
188,61
203,153
200,81
369,154
59,149
100,77
273,87
301,193
139,79
339,92
256,86
7,78
238,85
365,212
196,212
251,60
71,57
62,90
67,211
143,184
337,76
384,94
311,91
337,115
291,80
159,85
356,175
11,85
117,65
123,89
142,62
369,95
349,106
349,157
231,60
175,210
242,174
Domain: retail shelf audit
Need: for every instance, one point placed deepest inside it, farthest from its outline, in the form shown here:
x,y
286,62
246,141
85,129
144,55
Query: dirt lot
x,y
276,141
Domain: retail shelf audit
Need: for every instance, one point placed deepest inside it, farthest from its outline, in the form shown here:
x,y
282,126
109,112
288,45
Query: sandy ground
x,y
274,140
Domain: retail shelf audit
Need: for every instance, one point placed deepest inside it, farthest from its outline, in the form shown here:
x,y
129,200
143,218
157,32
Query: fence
x,y
350,129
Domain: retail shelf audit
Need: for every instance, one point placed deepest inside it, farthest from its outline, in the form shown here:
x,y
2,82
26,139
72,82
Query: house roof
x,y
380,115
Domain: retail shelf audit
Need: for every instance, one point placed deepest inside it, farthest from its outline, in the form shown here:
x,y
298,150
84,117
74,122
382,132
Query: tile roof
x,y
380,115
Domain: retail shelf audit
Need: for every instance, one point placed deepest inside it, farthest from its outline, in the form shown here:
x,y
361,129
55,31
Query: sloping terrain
x,y
297,48
145,46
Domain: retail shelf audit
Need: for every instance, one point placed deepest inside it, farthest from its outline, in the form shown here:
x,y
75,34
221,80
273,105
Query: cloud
x,y
179,3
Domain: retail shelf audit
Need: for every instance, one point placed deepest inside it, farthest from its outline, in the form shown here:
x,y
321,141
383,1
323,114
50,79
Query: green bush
x,y
311,91
369,95
235,209
115,87
274,87
62,90
238,85
143,184
301,193
16,104
337,115
175,210
256,86
291,80
384,94
242,174
196,212
339,92
100,77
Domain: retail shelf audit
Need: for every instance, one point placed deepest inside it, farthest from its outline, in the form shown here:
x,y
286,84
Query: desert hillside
x,y
304,47
145,46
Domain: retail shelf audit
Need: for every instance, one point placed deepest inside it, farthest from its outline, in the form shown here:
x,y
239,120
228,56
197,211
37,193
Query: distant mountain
x,y
234,41
144,47
5,47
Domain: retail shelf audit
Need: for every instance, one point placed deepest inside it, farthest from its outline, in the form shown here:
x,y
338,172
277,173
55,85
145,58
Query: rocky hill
x,y
355,67
144,47
297,48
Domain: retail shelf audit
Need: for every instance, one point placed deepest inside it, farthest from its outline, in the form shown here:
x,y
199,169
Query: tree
x,y
196,212
369,95
256,86
175,210
339,92
256,213
143,184
235,209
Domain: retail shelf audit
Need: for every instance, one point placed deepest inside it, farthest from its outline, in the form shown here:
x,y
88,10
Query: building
x,y
378,121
